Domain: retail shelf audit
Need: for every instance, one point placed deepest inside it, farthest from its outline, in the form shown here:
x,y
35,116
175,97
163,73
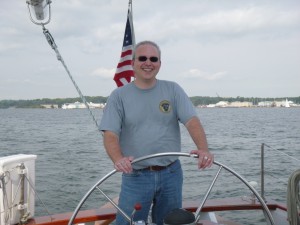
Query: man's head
x,y
146,43
146,62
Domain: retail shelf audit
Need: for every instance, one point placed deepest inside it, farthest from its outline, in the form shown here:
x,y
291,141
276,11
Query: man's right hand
x,y
124,164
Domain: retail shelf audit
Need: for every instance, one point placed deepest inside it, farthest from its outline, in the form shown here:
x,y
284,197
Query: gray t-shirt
x,y
147,120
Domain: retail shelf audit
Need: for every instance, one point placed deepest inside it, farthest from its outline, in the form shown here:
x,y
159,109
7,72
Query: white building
x,y
79,105
241,104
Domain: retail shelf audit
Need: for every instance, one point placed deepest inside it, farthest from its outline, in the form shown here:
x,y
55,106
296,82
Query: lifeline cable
x,y
281,152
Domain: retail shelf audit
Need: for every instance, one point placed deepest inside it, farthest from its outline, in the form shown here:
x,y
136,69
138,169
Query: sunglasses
x,y
144,58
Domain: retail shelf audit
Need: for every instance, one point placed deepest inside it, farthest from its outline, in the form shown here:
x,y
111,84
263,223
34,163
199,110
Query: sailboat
x,y
287,104
17,189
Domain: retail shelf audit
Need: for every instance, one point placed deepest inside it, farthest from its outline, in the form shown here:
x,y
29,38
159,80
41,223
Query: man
x,y
142,118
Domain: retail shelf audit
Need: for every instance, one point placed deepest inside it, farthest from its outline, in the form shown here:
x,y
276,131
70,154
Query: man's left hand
x,y
205,158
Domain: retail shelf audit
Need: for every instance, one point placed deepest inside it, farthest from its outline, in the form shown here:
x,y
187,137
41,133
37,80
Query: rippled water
x,y
71,158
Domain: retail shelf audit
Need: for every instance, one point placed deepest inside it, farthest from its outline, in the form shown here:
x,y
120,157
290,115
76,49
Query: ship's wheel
x,y
267,213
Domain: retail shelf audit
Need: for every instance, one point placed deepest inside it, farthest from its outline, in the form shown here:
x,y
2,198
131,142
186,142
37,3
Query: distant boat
x,y
287,104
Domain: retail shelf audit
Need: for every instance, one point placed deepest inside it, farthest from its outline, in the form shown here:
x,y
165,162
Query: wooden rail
x,y
108,213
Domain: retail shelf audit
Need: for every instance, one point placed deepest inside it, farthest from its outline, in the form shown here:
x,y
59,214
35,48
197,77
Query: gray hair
x,y
146,43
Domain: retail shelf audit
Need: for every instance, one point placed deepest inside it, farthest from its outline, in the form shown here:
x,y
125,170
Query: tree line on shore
x,y
197,100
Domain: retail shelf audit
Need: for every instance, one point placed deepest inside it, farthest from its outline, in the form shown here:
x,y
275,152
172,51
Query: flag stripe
x,y
128,52
126,58
125,63
123,69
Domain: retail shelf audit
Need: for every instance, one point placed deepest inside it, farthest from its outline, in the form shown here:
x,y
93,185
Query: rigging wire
x,y
51,42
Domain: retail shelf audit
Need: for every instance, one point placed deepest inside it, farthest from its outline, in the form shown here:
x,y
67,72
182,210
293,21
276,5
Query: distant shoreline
x,y
198,101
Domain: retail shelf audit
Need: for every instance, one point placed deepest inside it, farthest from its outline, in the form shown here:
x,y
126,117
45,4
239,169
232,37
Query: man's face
x,y
146,63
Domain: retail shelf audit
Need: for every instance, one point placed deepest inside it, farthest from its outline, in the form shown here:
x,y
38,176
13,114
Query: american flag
x,y
124,71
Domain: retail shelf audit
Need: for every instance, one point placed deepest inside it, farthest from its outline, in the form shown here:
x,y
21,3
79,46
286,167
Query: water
x,y
71,157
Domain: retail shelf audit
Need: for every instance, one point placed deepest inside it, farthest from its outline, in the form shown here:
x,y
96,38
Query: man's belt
x,y
156,168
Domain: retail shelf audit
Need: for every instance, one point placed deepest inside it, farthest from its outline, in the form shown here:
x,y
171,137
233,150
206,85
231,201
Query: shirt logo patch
x,y
165,106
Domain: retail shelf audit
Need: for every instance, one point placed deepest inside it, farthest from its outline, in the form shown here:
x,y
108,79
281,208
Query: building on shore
x,y
284,103
225,104
79,105
238,104
241,104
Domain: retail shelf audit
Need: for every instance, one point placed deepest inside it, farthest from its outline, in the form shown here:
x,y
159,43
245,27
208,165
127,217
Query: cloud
x,y
104,73
10,46
9,32
218,43
196,73
220,23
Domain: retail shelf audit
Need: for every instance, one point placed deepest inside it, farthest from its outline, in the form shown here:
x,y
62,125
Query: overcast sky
x,y
228,48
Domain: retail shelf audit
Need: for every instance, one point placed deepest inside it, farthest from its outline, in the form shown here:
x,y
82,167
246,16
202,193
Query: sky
x,y
226,48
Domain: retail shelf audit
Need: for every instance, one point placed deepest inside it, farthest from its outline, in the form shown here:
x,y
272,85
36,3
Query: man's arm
x,y
113,149
198,135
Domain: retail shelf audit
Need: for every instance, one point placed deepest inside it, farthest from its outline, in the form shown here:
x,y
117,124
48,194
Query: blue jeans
x,y
162,188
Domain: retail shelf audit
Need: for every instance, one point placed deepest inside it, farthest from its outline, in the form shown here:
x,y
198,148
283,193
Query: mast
x,y
131,22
